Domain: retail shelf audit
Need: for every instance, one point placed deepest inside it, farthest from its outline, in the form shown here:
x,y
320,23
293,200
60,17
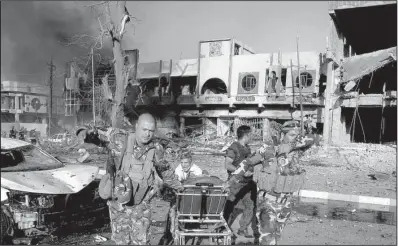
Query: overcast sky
x,y
169,30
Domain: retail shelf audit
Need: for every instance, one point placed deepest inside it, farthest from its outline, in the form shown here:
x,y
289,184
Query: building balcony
x,y
387,99
223,100
335,5
255,100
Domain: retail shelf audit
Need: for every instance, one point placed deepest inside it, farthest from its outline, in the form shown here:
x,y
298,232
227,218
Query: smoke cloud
x,y
31,32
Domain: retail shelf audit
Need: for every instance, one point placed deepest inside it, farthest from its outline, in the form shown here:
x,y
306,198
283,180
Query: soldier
x,y
141,166
273,208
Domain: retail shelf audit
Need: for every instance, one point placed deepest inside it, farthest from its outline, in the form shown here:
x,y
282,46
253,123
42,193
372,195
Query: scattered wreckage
x,y
38,191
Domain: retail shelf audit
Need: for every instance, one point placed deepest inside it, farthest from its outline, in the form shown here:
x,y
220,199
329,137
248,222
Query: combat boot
x,y
244,233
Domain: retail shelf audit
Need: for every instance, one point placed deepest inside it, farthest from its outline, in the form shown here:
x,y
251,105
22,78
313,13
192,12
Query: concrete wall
x,y
205,48
249,63
186,67
260,62
214,67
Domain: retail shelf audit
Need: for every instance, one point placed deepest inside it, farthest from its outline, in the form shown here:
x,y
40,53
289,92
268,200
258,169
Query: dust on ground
x,y
338,170
360,169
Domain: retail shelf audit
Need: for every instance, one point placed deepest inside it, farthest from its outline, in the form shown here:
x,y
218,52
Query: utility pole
x,y
92,71
50,111
300,86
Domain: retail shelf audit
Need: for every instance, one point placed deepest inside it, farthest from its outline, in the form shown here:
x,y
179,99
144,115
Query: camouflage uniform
x,y
274,209
130,223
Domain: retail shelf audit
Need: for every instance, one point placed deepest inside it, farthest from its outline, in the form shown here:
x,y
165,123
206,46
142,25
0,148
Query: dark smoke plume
x,y
31,32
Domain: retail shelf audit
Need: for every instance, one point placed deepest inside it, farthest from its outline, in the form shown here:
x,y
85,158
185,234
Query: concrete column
x,y
204,126
345,136
339,133
218,127
236,119
17,103
336,126
266,130
328,103
182,126
17,117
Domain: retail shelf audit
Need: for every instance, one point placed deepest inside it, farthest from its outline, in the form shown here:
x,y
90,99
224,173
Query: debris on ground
x,y
100,239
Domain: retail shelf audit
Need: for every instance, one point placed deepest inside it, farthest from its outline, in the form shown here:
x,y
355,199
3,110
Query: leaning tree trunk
x,y
121,78
117,28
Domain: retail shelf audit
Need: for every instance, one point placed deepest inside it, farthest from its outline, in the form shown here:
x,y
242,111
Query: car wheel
x,y
7,230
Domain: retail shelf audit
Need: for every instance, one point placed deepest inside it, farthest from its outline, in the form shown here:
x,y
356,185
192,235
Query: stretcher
x,y
199,212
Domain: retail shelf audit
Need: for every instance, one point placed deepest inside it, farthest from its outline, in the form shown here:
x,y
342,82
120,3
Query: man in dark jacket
x,y
244,191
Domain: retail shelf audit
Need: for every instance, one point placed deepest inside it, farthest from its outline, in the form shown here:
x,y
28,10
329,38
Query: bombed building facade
x,y
348,92
229,85
361,72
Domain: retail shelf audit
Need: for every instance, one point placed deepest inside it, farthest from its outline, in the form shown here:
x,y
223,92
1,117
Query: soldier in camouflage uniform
x,y
274,209
142,163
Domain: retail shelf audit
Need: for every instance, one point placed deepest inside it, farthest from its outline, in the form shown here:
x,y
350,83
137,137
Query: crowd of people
x,y
142,171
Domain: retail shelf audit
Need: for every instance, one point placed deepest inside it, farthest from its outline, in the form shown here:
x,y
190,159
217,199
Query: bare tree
x,y
113,28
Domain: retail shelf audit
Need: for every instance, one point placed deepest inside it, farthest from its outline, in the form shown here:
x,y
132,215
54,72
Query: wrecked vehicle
x,y
38,191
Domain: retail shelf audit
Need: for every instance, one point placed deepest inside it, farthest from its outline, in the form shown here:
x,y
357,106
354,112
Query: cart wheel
x,y
228,240
7,228
176,239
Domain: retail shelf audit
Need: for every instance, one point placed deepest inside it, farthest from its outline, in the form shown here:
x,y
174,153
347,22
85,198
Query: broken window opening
x,y
322,84
380,81
193,126
151,87
306,80
283,77
184,86
164,86
272,82
237,49
378,124
266,79
214,86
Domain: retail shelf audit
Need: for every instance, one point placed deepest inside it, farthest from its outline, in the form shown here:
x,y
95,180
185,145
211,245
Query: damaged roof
x,y
11,143
356,67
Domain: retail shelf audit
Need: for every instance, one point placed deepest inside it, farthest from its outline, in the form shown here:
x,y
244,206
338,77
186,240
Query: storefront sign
x,y
213,99
245,98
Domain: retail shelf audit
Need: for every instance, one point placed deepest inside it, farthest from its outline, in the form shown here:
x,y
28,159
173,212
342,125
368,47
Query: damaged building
x,y
229,85
348,92
27,105
361,72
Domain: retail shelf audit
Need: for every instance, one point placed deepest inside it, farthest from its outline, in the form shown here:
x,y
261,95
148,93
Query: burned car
x,y
39,192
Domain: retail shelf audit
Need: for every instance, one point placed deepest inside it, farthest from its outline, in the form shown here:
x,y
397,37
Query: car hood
x,y
65,180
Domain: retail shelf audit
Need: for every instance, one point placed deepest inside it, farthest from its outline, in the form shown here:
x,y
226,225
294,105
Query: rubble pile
x,y
360,156
372,157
